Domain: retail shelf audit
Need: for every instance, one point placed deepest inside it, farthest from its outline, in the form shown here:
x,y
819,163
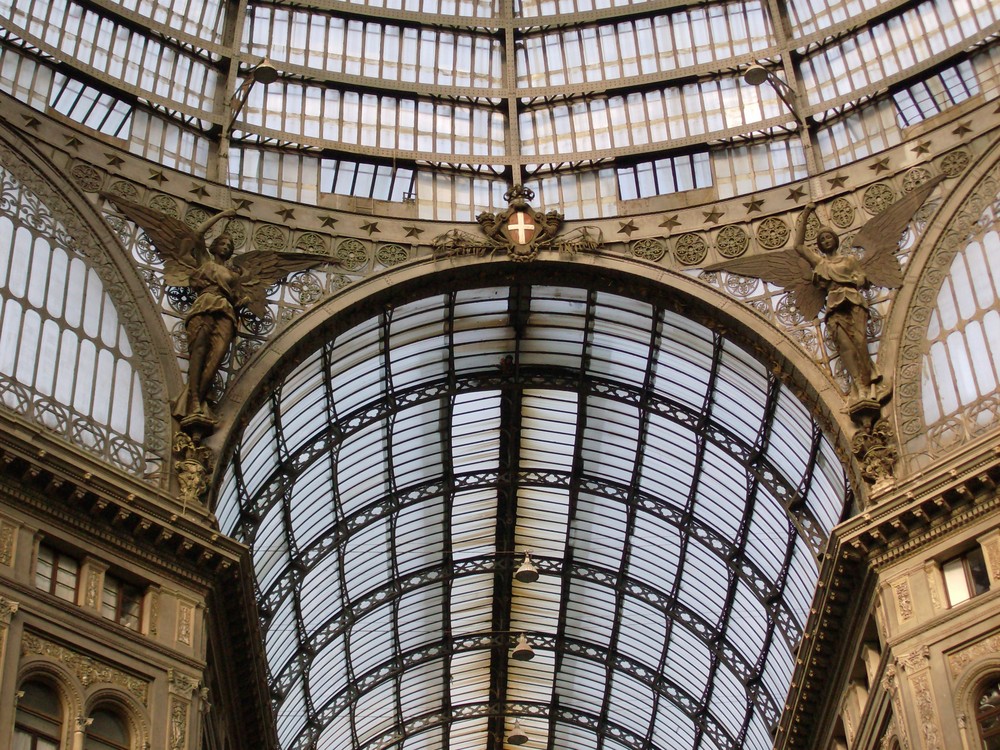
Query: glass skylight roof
x,y
452,102
674,496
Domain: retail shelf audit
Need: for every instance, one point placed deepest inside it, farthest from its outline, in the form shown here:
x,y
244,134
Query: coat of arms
x,y
521,229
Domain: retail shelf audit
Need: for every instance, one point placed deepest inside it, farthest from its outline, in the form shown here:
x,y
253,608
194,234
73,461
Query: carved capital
x,y
7,609
182,684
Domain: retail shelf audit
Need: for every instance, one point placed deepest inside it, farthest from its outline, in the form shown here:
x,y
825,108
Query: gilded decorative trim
x,y
87,669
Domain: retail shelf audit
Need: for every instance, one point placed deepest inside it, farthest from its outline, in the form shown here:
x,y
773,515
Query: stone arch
x,y
66,685
133,713
148,340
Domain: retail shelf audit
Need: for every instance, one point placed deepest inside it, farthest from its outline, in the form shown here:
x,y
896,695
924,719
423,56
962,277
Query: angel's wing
x,y
261,268
787,269
181,248
880,236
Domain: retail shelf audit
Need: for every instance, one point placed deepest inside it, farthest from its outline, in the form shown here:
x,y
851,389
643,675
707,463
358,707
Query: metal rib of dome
x,y
673,494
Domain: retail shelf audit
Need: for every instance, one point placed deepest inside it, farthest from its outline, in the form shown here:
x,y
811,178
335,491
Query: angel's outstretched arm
x,y
800,236
210,221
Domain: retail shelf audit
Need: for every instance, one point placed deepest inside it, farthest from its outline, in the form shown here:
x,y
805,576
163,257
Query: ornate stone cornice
x,y
86,668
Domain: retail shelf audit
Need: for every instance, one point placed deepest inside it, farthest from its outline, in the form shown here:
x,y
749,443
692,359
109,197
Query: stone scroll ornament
x,y
826,278
222,283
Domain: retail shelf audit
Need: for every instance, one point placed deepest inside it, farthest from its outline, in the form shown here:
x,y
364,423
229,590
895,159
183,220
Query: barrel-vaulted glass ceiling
x,y
447,103
674,496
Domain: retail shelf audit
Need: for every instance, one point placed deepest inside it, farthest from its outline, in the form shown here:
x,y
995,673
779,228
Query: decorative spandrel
x,y
223,287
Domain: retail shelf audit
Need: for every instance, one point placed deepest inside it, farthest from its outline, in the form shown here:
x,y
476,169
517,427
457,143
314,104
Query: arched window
x,y
38,723
107,731
988,716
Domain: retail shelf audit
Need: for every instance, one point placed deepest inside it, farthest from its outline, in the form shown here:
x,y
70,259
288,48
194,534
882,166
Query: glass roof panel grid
x,y
668,462
643,632
370,640
548,428
768,536
361,468
531,681
801,581
473,523
573,685
630,701
420,617
672,729
419,541
320,594
777,670
418,362
610,439
689,656
374,712
656,549
542,517
471,604
328,673
728,703
291,718
535,606
643,46
590,613
270,547
748,622
310,504
721,499
421,687
596,522
417,448
475,432
683,358
280,639
470,677
368,559
301,399
467,734
258,451
704,582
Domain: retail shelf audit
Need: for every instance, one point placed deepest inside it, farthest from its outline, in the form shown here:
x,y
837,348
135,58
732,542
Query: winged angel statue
x,y
835,280
222,283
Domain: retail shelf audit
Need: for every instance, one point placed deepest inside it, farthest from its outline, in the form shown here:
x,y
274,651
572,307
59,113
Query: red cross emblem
x,y
520,228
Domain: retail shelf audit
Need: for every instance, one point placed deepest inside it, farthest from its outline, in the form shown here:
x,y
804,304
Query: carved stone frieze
x,y
7,534
178,724
959,660
185,622
87,669
903,598
926,712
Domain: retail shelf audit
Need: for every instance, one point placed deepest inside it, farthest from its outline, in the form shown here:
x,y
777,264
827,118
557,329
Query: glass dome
x,y
593,104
